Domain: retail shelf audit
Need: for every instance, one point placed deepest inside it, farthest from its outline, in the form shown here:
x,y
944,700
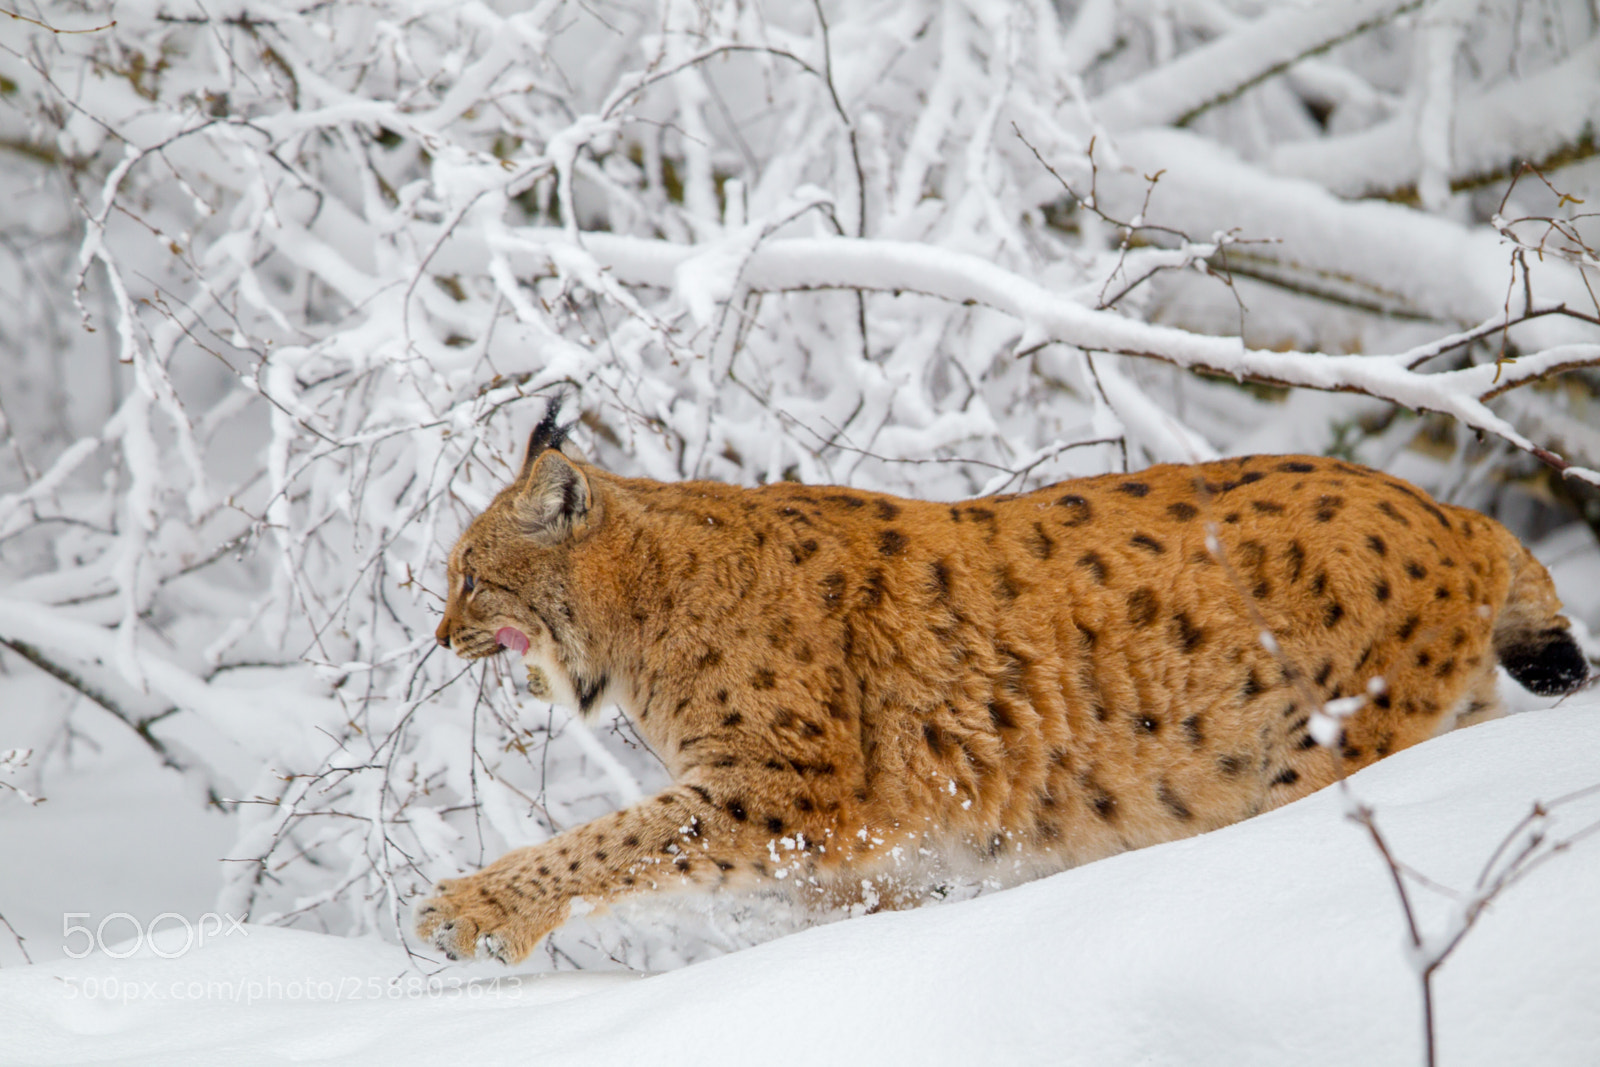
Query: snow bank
x,y
1272,941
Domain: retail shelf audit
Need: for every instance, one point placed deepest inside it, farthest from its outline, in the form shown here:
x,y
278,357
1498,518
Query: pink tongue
x,y
512,638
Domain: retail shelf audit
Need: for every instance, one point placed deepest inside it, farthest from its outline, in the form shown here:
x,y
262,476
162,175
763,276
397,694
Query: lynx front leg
x,y
685,835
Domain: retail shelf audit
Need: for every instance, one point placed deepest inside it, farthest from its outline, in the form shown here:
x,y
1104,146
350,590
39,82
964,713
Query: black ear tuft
x,y
550,433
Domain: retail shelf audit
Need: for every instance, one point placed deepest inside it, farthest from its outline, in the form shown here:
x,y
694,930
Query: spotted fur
x,y
838,679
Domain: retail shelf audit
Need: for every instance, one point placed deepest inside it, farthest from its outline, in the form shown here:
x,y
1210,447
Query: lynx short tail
x,y
1533,640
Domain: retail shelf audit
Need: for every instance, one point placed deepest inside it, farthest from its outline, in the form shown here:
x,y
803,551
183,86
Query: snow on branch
x,y
1368,255
903,267
1175,93
1548,117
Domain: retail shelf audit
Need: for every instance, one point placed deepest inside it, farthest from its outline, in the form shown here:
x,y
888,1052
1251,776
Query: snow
x,y
1272,940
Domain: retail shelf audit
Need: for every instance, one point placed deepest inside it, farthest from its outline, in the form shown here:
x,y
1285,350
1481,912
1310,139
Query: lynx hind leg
x,y
1480,703
861,890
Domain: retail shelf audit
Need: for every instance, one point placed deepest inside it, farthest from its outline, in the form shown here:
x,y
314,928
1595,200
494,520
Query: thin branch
x,y
140,726
850,127
56,29
18,938
1364,816
1535,850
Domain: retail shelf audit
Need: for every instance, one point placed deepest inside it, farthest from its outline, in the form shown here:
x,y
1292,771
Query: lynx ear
x,y
553,499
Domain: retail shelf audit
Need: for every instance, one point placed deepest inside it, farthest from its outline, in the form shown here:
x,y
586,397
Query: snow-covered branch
x,y
1043,317
1175,93
1548,118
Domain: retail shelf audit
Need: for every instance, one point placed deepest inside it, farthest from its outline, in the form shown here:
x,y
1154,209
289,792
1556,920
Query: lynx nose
x,y
442,634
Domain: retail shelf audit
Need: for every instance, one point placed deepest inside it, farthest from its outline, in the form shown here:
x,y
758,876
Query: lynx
x,y
840,680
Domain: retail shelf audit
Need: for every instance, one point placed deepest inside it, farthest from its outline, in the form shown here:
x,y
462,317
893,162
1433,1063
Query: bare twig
x,y
18,938
55,29
1524,848
850,127
140,726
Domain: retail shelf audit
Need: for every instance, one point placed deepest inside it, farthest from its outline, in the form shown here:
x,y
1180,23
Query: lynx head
x,y
510,583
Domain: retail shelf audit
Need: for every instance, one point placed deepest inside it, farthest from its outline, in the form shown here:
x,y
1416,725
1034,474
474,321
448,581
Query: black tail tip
x,y
1548,663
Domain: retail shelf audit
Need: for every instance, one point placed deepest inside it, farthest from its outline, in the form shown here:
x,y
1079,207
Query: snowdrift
x,y
1277,940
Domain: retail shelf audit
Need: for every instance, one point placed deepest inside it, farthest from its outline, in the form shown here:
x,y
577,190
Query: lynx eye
x,y
467,583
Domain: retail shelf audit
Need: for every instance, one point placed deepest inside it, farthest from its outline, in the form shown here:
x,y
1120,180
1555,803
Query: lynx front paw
x,y
482,918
